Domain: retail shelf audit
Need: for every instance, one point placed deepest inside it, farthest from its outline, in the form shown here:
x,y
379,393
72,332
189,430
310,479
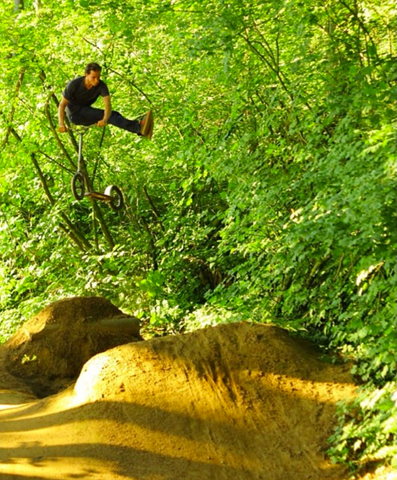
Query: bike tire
x,y
78,186
117,200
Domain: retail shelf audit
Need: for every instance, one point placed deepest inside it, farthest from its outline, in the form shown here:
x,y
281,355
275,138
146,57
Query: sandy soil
x,y
237,402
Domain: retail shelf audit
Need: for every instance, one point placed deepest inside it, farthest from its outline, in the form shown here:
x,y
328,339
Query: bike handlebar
x,y
80,128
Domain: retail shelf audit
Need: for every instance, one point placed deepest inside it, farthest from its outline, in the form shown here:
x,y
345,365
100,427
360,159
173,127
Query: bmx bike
x,y
81,184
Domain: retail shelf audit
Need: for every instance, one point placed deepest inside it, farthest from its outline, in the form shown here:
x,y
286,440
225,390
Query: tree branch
x,y
67,226
154,209
17,90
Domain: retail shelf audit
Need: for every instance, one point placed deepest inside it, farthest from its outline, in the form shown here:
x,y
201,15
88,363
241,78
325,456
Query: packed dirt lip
x,y
236,401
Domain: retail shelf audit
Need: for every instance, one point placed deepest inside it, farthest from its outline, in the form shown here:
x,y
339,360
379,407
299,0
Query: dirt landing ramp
x,y
234,402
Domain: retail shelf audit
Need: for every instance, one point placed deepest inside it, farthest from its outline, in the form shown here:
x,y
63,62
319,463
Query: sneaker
x,y
146,125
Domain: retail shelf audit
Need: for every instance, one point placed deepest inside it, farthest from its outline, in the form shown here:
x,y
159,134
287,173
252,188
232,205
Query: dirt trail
x,y
235,402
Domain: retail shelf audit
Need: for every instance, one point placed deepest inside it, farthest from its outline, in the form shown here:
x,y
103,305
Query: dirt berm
x,y
233,402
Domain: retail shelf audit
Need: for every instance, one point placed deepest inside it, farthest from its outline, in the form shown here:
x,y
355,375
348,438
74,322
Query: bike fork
x,y
80,158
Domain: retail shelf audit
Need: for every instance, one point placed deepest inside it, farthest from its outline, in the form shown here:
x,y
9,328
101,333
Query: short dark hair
x,y
92,67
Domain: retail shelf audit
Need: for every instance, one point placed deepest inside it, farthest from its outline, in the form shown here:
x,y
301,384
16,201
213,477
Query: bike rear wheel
x,y
117,200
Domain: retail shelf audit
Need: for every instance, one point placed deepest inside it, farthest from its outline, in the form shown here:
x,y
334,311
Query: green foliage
x,y
268,192
367,428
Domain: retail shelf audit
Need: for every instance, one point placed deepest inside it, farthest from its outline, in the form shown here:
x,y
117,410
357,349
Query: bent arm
x,y
107,113
61,114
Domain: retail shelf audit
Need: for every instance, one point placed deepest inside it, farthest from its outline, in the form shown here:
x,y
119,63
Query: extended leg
x,y
118,120
90,115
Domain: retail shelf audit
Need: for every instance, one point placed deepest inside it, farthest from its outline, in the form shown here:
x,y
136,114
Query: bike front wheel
x,y
78,187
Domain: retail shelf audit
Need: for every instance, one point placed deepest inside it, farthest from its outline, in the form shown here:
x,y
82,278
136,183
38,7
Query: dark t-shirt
x,y
80,96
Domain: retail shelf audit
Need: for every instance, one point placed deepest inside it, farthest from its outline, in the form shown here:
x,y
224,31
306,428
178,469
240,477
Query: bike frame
x,y
81,180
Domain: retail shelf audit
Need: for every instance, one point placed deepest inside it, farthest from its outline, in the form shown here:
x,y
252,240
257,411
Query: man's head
x,y
92,74
92,67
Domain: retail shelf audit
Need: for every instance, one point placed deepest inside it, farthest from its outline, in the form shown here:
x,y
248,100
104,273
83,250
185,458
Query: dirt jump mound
x,y
49,351
238,401
234,402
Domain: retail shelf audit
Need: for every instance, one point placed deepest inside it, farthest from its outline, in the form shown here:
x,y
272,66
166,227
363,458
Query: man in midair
x,y
82,92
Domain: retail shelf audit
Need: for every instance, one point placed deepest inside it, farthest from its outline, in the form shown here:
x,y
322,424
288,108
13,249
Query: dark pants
x,y
90,115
